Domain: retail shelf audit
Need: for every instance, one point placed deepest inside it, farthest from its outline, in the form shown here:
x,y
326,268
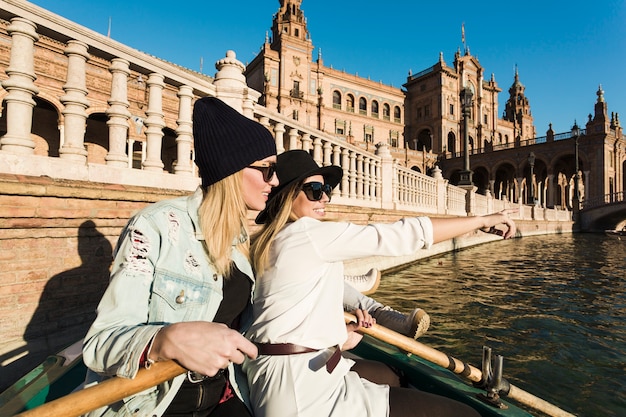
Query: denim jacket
x,y
160,275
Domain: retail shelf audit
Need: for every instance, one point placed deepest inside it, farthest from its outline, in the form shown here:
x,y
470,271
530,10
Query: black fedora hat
x,y
296,165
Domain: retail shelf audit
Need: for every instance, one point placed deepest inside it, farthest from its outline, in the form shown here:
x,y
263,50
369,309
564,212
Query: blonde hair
x,y
278,215
223,218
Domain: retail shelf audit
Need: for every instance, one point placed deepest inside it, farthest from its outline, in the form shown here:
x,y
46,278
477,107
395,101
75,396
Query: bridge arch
x,y
480,178
604,216
505,186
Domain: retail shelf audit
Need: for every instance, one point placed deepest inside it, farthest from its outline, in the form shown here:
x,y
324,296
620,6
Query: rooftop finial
x,y
600,94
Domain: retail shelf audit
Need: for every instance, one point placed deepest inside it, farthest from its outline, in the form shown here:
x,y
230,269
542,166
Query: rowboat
x,y
54,388
618,234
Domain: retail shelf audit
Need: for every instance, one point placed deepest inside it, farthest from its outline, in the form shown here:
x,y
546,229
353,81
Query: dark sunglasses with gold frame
x,y
268,169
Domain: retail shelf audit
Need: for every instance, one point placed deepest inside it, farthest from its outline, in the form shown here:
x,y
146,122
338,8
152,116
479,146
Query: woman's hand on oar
x,y
362,319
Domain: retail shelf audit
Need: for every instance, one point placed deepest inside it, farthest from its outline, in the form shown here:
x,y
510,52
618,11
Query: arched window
x,y
386,110
396,114
336,100
451,143
350,103
362,106
374,108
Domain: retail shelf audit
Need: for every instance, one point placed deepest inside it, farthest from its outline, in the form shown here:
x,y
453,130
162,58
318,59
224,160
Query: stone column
x,y
317,151
470,199
327,149
492,184
154,123
352,174
336,161
345,165
372,178
366,177
75,102
265,121
306,141
279,133
518,190
378,183
387,173
293,138
21,88
442,190
118,114
184,132
247,107
359,176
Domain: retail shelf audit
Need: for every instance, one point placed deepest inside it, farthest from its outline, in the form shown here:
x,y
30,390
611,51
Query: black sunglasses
x,y
315,190
268,169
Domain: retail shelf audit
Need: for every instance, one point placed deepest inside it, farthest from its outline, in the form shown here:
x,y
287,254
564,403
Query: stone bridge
x,y
605,213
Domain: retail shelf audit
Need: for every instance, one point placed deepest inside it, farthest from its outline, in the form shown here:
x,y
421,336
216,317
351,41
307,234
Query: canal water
x,y
553,306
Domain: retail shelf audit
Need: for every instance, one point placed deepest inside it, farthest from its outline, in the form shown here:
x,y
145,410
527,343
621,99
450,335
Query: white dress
x,y
299,300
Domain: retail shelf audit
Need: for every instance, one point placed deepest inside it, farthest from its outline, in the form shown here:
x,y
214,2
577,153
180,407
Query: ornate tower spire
x,y
517,109
601,115
289,22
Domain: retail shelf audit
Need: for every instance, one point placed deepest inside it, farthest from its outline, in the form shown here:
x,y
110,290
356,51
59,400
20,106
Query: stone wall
x,y
56,242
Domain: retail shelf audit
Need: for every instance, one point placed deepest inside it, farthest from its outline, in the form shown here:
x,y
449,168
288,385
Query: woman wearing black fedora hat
x,y
298,322
181,281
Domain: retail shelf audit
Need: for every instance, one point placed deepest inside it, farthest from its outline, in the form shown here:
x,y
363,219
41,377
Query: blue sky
x,y
563,49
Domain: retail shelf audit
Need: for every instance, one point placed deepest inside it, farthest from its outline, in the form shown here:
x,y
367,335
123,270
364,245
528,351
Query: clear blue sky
x,y
563,49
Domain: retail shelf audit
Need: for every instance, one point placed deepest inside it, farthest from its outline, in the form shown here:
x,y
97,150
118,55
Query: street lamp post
x,y
531,161
576,197
466,102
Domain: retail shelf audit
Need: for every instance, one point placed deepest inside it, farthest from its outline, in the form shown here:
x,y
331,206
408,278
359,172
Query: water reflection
x,y
553,306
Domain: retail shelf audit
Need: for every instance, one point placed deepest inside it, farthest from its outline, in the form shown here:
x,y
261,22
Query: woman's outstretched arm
x,y
445,228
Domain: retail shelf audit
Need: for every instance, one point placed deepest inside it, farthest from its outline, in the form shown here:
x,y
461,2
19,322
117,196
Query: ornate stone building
x,y
434,116
425,123
418,123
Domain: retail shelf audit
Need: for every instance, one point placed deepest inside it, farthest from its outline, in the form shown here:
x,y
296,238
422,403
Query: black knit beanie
x,y
226,141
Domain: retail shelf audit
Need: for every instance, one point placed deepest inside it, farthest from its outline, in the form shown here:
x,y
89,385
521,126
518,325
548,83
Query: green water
x,y
553,306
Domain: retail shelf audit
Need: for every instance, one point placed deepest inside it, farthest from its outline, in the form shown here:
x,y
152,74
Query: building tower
x,y
281,72
362,111
517,111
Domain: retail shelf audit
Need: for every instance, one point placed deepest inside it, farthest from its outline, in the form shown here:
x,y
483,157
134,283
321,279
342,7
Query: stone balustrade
x,y
371,180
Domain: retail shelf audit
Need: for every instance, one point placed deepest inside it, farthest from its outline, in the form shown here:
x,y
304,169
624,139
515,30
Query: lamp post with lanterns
x,y
466,102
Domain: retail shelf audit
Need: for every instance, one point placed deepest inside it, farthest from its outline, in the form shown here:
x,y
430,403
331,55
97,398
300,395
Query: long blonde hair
x,y
223,218
279,214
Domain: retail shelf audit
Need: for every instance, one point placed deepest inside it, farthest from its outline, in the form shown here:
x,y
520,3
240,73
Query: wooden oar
x,y
106,392
458,367
114,389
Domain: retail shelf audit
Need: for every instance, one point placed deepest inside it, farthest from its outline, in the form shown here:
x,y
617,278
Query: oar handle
x,y
106,392
458,367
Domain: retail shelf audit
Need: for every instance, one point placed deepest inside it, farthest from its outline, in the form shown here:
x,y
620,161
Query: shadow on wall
x,y
66,308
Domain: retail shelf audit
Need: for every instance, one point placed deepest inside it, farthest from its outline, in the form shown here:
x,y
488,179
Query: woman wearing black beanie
x,y
181,281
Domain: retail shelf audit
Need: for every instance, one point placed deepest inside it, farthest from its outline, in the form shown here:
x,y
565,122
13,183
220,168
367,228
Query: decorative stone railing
x,y
373,180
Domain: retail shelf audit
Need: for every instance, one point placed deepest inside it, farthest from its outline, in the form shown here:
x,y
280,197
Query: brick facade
x,y
56,244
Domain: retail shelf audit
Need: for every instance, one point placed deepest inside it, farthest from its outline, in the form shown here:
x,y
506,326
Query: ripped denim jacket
x,y
160,275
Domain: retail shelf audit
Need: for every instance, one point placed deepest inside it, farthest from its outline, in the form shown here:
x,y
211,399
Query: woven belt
x,y
292,349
